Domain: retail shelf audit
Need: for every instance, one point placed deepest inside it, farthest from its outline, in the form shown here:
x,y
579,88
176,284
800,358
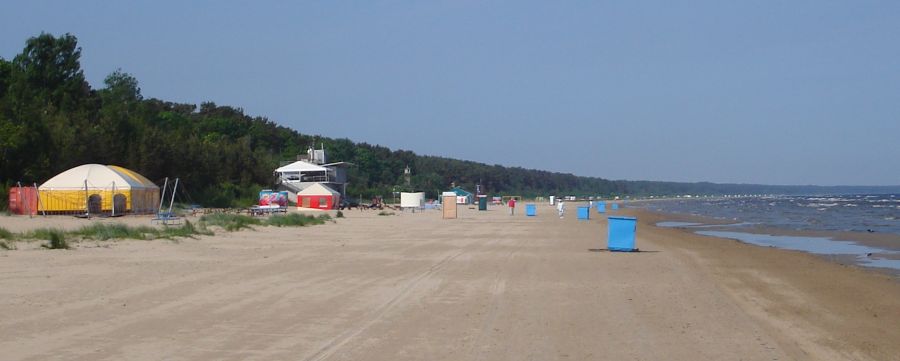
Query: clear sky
x,y
774,92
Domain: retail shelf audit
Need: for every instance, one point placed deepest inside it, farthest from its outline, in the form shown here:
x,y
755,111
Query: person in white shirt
x,y
561,208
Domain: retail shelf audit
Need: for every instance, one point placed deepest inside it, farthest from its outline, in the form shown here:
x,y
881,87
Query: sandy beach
x,y
486,286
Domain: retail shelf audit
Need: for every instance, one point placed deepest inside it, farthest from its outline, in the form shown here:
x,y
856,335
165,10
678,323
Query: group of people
x,y
560,207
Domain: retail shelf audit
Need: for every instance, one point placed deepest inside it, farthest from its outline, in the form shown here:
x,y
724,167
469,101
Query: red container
x,y
23,200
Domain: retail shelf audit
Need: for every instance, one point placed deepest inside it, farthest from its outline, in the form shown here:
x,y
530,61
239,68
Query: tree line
x,y
51,120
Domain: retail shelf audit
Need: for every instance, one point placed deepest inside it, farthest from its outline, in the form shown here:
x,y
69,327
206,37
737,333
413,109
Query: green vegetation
x,y
51,119
5,234
56,238
339,214
103,232
230,222
297,220
385,213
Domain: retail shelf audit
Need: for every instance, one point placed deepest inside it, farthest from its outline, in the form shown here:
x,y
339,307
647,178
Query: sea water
x,y
846,213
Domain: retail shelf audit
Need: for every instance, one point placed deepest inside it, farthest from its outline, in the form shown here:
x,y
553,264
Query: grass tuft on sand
x,y
56,238
6,234
230,222
296,220
103,232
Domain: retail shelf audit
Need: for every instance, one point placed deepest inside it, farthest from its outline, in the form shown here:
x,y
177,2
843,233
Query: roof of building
x,y
98,176
461,192
301,166
318,189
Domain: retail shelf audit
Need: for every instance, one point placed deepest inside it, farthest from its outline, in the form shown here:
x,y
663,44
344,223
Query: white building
x,y
309,170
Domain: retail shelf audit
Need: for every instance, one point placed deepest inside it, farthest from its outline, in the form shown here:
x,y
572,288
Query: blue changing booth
x,y
530,210
614,206
621,234
584,212
601,207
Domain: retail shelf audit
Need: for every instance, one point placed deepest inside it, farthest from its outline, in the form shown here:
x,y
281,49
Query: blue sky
x,y
774,92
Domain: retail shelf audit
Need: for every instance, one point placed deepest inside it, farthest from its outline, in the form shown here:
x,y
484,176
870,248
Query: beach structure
x,y
23,200
97,188
584,213
621,233
318,196
482,202
268,197
412,201
448,207
530,210
311,169
462,196
601,207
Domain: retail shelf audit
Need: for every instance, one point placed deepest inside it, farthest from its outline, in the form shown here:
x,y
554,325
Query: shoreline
x,y
887,245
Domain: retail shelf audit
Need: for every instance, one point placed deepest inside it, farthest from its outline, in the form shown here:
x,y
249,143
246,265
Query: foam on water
x,y
854,213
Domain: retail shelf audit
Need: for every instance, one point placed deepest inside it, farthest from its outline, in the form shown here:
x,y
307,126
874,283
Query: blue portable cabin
x,y
601,207
621,234
530,210
584,213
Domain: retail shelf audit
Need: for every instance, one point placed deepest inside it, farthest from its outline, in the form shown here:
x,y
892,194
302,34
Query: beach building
x,y
309,170
97,188
463,196
318,196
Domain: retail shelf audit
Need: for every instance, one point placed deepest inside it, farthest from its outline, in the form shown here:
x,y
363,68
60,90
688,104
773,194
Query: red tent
x,y
318,196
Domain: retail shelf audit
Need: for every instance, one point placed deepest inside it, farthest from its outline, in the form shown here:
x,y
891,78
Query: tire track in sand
x,y
341,339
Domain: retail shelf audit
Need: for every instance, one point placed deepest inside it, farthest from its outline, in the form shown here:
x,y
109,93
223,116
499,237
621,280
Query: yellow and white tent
x,y
97,188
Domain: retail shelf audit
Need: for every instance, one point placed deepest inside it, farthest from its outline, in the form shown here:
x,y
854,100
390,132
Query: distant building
x,y
318,196
463,196
310,170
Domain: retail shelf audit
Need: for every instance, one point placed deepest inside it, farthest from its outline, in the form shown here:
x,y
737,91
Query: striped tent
x,y
97,188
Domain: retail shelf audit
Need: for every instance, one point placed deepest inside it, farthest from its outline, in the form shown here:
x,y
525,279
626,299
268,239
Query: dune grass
x,y
236,222
230,222
55,237
103,231
296,220
6,234
58,239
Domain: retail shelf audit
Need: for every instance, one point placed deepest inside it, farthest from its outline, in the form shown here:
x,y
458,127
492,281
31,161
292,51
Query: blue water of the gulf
x,y
851,213
846,213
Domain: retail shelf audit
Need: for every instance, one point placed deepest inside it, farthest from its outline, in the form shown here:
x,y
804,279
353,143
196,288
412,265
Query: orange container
x,y
23,200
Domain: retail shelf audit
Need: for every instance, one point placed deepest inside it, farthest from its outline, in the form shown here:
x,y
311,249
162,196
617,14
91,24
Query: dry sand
x,y
486,286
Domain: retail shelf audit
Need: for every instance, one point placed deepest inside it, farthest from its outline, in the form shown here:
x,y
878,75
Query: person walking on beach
x,y
512,206
561,208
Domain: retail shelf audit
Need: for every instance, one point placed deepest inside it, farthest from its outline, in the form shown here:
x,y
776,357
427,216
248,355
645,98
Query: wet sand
x,y
486,286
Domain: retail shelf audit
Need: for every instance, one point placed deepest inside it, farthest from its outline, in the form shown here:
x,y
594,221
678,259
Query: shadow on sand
x,y
636,250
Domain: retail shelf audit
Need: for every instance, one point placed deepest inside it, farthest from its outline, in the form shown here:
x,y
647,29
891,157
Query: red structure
x,y
318,196
23,200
